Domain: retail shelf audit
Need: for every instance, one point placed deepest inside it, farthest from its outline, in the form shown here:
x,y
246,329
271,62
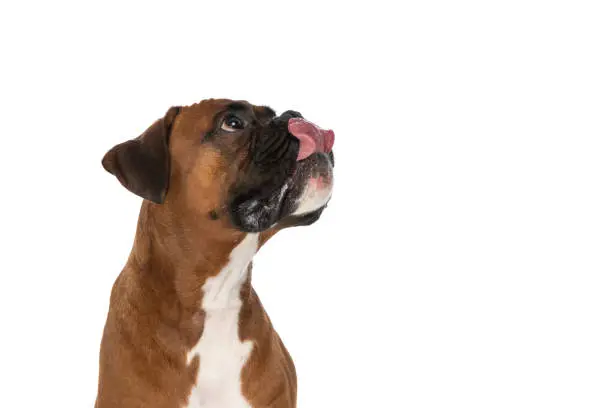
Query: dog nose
x,y
312,138
290,114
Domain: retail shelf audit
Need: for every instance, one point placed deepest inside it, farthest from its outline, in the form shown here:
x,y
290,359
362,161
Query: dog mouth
x,y
310,186
313,174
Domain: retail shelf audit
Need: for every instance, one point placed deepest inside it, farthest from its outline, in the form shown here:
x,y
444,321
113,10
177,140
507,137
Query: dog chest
x,y
220,351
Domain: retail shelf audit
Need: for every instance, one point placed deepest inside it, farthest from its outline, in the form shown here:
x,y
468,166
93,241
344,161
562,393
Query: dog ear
x,y
142,165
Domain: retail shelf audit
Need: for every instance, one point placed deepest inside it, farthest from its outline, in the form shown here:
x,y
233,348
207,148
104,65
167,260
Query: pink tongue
x,y
312,138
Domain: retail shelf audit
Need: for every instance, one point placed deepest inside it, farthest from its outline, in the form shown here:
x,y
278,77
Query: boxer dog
x,y
185,327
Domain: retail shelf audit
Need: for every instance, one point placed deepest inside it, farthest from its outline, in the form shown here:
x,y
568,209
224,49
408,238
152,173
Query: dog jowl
x,y
185,327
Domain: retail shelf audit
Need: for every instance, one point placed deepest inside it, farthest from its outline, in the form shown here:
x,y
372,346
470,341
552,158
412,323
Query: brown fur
x,y
155,315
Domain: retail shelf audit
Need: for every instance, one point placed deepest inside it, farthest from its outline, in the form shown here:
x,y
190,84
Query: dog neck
x,y
192,255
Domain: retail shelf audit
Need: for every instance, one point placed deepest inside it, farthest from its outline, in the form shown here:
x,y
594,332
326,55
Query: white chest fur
x,y
220,350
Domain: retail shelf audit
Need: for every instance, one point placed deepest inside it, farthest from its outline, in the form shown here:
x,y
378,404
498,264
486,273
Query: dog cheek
x,y
253,215
256,211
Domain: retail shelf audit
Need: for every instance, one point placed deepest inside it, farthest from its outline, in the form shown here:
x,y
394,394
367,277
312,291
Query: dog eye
x,y
232,123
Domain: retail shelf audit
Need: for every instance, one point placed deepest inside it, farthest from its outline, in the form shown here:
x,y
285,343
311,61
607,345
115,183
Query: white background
x,y
465,258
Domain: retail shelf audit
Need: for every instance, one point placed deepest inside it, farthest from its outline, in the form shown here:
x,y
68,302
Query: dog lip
x,y
318,165
284,206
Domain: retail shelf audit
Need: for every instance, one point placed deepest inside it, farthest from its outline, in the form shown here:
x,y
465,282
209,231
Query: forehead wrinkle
x,y
265,112
239,106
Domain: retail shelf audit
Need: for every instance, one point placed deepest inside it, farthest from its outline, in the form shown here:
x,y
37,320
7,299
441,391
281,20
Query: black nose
x,y
288,115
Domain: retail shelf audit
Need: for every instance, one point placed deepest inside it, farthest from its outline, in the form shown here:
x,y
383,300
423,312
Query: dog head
x,y
231,162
